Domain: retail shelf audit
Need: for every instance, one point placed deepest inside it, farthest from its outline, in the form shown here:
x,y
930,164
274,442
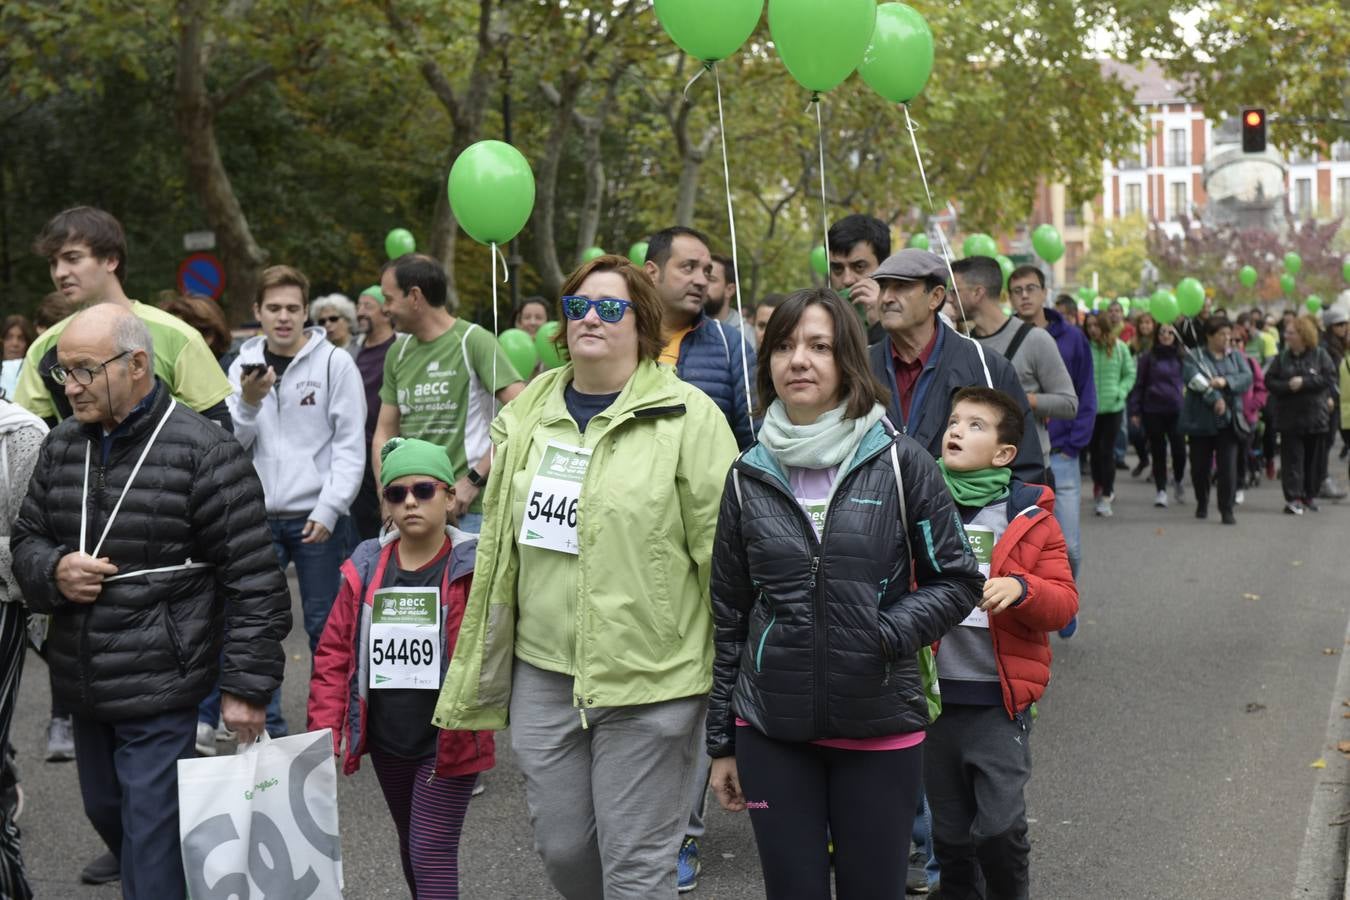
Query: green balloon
x,y
1142,304
1007,265
709,29
592,253
1293,263
919,241
1314,304
1287,284
1163,307
1047,243
399,242
1190,296
637,254
1124,304
544,346
900,58
980,244
821,41
491,191
1087,294
519,348
1247,276
820,263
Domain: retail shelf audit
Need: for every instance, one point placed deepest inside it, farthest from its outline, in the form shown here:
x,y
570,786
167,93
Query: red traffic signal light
x,y
1253,130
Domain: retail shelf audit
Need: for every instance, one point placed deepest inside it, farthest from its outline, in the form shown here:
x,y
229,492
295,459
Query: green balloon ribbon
x,y
822,41
709,30
899,60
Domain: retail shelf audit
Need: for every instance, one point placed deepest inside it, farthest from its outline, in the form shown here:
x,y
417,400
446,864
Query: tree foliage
x,y
1119,252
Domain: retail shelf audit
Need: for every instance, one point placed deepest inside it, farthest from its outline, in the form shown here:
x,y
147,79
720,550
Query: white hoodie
x,y
308,436
21,435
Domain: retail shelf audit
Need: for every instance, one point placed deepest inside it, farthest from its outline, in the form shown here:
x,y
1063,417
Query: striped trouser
x,y
13,633
429,816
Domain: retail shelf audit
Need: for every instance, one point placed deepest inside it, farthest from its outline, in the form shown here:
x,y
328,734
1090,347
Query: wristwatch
x,y
474,478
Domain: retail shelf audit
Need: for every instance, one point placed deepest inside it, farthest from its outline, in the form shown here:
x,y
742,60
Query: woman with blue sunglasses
x,y
590,622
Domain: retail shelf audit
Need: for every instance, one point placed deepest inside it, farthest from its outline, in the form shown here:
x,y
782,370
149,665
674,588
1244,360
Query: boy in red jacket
x,y
996,663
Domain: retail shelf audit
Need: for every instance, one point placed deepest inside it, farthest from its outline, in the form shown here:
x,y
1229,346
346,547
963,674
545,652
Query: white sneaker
x,y
1239,497
1160,499
1179,488
1104,507
206,739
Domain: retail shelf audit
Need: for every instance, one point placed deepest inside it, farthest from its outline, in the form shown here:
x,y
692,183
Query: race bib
x,y
815,511
551,504
405,639
982,545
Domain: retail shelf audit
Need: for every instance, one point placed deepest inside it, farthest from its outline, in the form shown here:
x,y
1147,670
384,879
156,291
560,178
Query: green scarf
x,y
976,489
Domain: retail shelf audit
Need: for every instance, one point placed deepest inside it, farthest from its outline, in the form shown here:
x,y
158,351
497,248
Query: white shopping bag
x,y
262,823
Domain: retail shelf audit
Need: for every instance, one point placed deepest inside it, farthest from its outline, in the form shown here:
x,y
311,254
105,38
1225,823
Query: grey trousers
x,y
976,764
608,802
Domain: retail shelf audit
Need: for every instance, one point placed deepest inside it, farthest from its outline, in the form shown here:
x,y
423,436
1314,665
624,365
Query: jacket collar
x,y
760,459
251,352
650,390
144,416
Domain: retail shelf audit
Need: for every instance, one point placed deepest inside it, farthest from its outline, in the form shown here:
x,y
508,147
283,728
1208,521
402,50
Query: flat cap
x,y
912,264
1335,315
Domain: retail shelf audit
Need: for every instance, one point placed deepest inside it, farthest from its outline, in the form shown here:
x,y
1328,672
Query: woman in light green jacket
x,y
1113,371
589,625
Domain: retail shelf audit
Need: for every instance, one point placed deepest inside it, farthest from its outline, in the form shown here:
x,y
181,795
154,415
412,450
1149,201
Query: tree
x,y
1119,252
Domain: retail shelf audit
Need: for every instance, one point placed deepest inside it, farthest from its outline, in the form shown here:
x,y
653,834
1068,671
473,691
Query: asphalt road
x,y
1172,750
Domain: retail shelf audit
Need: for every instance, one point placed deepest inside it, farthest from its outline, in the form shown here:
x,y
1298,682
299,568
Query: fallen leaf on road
x,y
1251,596
1343,746
1297,562
1159,532
1329,651
1255,707
1318,763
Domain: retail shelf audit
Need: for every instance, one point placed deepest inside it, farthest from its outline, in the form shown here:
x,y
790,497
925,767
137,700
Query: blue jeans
x,y
318,567
129,782
1068,493
923,840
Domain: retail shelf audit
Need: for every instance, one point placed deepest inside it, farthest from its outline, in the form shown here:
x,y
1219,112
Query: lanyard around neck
x,y
84,498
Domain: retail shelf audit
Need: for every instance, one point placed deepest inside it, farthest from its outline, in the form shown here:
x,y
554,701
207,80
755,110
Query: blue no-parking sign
x,y
202,273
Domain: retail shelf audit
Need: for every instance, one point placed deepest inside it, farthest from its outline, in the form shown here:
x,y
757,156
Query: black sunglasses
x,y
329,320
421,490
610,309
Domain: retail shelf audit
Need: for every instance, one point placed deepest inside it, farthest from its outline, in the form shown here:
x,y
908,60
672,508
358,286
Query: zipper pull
x,y
815,564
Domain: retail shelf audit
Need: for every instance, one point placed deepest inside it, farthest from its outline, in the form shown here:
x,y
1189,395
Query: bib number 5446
x,y
562,510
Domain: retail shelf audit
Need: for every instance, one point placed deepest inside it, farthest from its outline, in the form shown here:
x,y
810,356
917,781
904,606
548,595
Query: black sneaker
x,y
1139,469
104,870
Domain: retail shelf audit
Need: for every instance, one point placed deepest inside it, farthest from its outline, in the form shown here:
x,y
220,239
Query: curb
x,y
1323,867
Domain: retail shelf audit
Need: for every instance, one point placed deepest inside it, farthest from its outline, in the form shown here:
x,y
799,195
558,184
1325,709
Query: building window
x,y
1303,205
1340,151
1177,205
1134,199
1072,217
1343,196
1176,147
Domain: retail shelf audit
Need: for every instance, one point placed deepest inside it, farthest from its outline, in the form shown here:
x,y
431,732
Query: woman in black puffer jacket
x,y
821,613
1301,380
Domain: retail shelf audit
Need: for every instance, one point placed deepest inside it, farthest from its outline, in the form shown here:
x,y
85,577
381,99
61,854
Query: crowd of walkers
x,y
806,557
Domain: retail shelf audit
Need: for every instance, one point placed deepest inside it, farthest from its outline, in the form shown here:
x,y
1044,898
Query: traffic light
x,y
1253,130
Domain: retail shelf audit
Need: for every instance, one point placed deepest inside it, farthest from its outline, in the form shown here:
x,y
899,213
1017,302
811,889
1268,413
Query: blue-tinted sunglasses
x,y
609,309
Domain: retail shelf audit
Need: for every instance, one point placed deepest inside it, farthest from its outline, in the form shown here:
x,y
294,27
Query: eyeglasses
x,y
82,374
609,309
1025,290
329,320
421,490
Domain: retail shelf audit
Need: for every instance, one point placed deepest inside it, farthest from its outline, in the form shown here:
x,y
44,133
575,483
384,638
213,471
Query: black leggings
x,y
1103,449
802,796
1162,430
1210,450
1300,458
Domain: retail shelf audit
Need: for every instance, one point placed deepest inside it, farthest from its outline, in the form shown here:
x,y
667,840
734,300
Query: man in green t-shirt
x,y
87,251
440,379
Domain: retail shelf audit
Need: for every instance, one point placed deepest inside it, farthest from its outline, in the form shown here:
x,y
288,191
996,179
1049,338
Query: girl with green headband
x,y
384,654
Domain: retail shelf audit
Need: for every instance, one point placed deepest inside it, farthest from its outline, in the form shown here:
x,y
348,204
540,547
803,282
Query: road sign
x,y
202,273
199,240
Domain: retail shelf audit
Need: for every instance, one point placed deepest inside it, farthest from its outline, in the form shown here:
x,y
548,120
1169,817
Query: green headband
x,y
409,456
374,291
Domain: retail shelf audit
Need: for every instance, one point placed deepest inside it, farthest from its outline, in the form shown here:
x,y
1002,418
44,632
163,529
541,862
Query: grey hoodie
x,y
21,436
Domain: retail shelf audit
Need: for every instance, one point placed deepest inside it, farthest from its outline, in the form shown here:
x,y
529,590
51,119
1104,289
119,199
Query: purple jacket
x,y
1157,387
1071,437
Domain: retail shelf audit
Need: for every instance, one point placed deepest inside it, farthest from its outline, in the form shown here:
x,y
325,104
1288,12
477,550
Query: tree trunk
x,y
546,259
240,254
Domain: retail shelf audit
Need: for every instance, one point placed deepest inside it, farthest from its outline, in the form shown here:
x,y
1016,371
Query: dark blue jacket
x,y
1157,383
1071,436
956,362
710,360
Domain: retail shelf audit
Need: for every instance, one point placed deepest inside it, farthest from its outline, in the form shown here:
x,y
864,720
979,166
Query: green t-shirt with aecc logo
x,y
445,390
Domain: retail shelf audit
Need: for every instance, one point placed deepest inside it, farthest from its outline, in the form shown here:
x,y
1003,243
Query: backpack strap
x,y
900,495
1011,350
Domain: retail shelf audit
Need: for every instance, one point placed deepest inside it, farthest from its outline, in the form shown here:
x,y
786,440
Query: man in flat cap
x,y
925,361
